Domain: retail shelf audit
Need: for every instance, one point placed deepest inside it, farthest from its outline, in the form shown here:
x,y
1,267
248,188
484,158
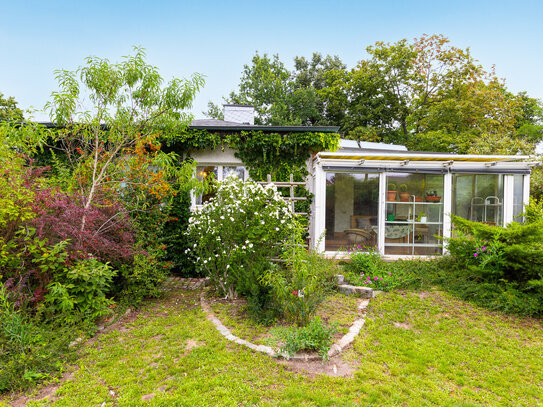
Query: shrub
x,y
237,233
108,234
513,253
302,283
315,336
174,237
78,294
29,351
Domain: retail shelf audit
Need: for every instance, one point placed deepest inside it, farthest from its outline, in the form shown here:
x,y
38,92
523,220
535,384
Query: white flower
x,y
205,261
243,247
277,229
262,222
250,245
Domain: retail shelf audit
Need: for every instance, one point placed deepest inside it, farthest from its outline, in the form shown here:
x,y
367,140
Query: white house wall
x,y
224,155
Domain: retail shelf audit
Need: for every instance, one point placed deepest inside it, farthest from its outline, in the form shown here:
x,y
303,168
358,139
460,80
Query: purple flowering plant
x,y
368,269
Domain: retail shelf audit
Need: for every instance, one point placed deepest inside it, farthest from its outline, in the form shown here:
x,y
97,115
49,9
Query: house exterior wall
x,y
222,155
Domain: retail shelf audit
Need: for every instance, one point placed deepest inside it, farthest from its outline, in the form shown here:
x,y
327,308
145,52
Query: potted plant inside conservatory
x,y
432,196
422,217
391,192
404,195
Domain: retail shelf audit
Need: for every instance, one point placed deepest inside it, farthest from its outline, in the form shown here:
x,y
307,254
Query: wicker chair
x,y
360,232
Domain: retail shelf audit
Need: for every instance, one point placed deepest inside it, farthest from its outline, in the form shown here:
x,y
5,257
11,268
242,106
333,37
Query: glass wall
x,y
352,207
414,214
518,198
478,197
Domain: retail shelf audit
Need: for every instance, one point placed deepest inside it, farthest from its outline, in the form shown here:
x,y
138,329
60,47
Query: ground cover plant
x,y
417,349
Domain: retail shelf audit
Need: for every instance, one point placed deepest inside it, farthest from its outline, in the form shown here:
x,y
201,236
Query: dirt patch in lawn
x,y
334,367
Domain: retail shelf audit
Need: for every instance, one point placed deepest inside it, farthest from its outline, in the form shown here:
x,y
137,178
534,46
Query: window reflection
x,y
352,205
478,197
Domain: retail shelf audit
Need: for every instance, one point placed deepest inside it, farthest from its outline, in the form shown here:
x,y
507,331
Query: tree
x,y
283,97
112,146
9,110
429,95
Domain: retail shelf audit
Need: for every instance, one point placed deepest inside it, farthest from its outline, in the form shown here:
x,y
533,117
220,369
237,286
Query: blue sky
x,y
216,38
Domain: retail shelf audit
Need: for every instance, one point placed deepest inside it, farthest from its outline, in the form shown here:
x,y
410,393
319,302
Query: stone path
x,y
180,283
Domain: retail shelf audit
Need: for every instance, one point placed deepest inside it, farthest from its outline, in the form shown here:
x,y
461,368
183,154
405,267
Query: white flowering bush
x,y
235,235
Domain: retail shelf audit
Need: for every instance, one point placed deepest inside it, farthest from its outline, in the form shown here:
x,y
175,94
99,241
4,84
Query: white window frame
x,y
220,167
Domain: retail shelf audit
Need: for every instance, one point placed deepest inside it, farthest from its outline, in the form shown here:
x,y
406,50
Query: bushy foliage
x,y
237,232
108,232
29,350
78,294
492,253
174,237
301,282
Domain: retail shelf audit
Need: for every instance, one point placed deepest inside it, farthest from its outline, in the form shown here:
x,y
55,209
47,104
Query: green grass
x,y
417,349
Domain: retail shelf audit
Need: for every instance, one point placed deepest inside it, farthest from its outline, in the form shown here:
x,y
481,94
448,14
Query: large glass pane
x,y
352,207
414,214
232,170
478,197
518,198
205,172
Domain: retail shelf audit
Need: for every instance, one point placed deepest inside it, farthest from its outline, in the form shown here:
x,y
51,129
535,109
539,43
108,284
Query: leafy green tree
x,y
429,95
9,110
283,97
130,111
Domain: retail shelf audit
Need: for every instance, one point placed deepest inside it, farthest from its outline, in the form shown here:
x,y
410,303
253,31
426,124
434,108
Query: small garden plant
x,y
366,268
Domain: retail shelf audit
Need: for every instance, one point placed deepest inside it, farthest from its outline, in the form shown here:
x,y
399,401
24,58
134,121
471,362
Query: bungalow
x,y
382,196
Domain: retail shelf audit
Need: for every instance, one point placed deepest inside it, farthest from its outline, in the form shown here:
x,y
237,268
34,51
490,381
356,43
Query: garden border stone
x,y
335,349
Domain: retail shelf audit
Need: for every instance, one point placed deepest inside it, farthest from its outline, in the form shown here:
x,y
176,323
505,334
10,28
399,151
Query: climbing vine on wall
x,y
278,154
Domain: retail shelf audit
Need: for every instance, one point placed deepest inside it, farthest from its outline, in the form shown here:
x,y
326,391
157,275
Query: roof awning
x,y
416,156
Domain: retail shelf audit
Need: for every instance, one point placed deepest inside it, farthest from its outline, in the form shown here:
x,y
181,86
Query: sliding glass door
x,y
414,214
352,208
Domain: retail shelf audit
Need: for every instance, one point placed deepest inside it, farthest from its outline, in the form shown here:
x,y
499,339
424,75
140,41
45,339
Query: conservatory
x,y
400,202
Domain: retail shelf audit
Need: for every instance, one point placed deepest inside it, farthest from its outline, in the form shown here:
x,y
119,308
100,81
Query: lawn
x,y
417,349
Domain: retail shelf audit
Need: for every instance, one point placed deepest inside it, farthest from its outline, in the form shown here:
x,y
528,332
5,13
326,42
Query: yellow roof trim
x,y
421,157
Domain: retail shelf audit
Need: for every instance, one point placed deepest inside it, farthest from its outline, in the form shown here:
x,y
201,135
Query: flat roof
x,y
221,125
420,156
231,126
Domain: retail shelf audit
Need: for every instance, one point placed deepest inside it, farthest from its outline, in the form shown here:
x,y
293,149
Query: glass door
x,y
414,214
352,207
